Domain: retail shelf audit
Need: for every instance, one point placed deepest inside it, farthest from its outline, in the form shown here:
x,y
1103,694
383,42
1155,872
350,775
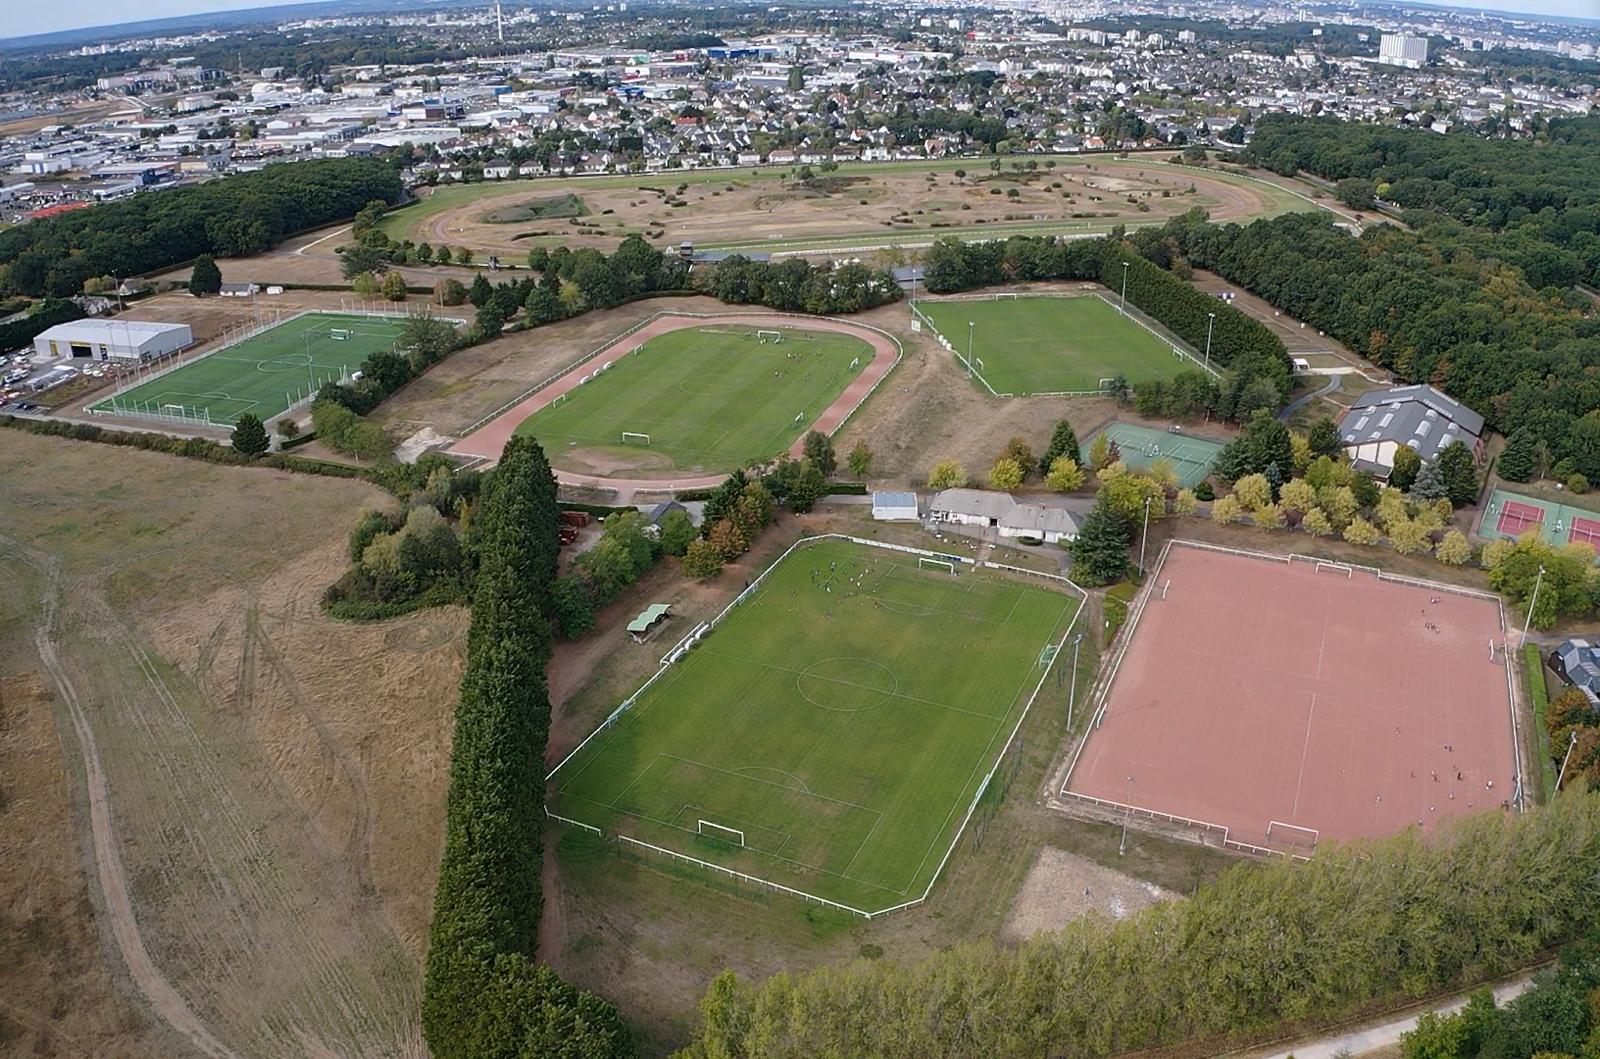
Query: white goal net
x,y
925,563
717,831
630,437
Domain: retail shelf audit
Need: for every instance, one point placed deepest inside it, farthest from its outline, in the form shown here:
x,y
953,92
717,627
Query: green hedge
x,y
1539,697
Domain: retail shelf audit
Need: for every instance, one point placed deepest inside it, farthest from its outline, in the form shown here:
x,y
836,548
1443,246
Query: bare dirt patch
x,y
1062,888
276,779
771,205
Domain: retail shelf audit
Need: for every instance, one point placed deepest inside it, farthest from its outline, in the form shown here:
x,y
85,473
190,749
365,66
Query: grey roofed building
x,y
1578,663
1034,520
894,507
973,507
1417,416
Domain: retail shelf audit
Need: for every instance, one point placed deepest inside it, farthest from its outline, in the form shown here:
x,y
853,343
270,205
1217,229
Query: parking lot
x,y
27,379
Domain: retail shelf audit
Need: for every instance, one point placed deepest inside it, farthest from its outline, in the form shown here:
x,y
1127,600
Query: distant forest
x,y
233,217
1540,200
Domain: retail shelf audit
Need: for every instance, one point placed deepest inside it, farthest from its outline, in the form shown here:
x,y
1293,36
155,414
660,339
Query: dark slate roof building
x,y
1578,662
1419,416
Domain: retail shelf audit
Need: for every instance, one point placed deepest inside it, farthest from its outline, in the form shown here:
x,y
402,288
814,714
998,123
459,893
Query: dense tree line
x,y
1558,1017
1256,362
795,285
1542,203
233,217
484,997
43,316
1367,922
1429,309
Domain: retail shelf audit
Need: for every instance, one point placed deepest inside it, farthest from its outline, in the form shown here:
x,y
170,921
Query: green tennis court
x,y
832,732
1509,515
1139,447
703,398
263,375
1038,345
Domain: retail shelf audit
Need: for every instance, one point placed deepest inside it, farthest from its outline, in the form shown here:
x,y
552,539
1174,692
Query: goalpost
x,y
635,436
763,336
923,562
339,334
1293,834
726,834
1006,296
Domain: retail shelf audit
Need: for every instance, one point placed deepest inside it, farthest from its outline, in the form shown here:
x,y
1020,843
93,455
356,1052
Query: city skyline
x,y
89,14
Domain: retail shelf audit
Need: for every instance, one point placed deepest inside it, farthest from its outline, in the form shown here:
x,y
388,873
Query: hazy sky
x,y
25,18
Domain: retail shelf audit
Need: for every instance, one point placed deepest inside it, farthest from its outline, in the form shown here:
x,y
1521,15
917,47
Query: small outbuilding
x,y
895,507
649,620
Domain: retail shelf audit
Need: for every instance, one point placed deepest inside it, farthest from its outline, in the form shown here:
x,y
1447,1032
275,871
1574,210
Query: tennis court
x,y
264,375
1139,447
1510,515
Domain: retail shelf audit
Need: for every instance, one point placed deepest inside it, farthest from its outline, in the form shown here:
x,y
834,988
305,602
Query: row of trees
x,y
1257,364
1361,923
1432,305
484,996
795,285
41,316
235,217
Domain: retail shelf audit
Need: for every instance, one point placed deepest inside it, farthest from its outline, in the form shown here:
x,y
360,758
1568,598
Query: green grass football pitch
x,y
264,374
709,398
1035,345
831,733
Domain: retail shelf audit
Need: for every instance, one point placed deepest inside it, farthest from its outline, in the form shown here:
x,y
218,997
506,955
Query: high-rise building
x,y
1400,49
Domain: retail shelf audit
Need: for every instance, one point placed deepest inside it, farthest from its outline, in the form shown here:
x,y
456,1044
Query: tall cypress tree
x,y
483,997
1063,442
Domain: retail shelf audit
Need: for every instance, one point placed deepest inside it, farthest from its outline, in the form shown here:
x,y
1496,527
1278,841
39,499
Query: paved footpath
x,y
1385,1034
489,440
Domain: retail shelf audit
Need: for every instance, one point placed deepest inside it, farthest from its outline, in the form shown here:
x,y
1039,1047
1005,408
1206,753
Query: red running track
x,y
489,440
1262,690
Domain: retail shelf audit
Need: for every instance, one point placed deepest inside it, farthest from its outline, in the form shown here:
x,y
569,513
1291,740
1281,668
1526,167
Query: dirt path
x,y
163,999
489,440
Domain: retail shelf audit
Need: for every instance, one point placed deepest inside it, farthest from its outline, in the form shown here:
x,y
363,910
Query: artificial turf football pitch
x,y
831,733
1040,345
264,374
708,398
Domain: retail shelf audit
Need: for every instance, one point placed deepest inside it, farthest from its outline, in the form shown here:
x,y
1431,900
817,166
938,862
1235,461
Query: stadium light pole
x,y
1124,308
1144,534
970,325
1534,602
1072,695
1211,320
1568,757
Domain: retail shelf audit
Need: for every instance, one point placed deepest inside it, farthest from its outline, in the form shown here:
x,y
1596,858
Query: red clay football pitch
x,y
1278,703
